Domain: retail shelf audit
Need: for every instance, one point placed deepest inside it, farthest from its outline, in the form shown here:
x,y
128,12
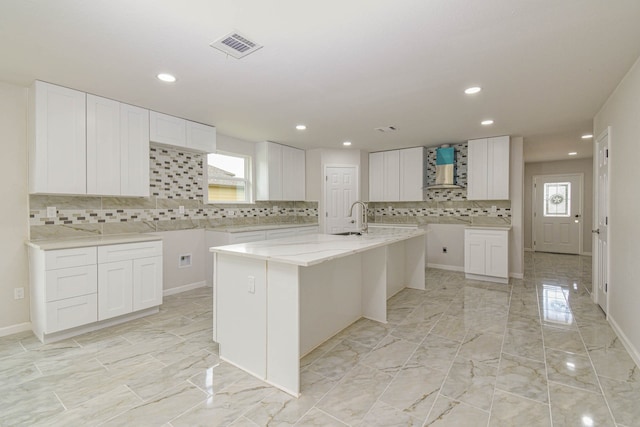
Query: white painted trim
x,y
483,278
446,267
529,250
633,352
586,254
15,329
184,288
516,275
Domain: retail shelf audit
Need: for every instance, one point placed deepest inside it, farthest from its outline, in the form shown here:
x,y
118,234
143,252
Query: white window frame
x,y
248,180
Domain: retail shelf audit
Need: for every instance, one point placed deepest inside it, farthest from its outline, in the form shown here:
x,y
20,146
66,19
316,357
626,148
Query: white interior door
x,y
557,217
601,264
341,190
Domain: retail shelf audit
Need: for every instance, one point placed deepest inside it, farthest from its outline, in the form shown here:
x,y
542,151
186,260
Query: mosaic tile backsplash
x,y
176,179
461,162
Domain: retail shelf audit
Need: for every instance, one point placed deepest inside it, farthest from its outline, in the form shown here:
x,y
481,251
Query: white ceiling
x,y
340,67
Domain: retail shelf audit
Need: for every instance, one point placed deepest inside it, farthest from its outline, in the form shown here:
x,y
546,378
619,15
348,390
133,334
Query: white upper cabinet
x,y
396,175
117,148
166,129
134,151
488,169
57,140
280,172
201,137
412,174
170,130
103,146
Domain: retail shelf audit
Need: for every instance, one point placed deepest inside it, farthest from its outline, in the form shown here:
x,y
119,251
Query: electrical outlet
x,y
389,208
275,208
494,209
184,260
444,249
18,293
181,209
52,212
252,285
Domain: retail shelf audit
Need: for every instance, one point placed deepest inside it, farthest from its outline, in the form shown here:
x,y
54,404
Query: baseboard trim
x,y
586,254
633,352
516,275
445,267
528,250
184,288
15,329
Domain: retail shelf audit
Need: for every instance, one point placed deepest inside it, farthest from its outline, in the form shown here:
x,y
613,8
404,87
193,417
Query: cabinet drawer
x,y
65,258
71,282
129,251
71,312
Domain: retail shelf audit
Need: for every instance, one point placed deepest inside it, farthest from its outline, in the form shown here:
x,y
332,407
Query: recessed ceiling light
x,y
573,153
587,136
301,127
486,122
472,90
346,143
168,78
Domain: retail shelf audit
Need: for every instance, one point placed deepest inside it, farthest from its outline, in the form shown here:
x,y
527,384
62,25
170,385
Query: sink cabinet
x,y
486,254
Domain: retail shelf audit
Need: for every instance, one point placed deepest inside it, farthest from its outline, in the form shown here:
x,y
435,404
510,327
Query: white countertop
x,y
241,229
81,242
489,227
316,248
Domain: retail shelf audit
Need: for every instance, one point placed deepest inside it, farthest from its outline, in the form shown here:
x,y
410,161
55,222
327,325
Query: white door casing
x,y
601,246
341,190
557,213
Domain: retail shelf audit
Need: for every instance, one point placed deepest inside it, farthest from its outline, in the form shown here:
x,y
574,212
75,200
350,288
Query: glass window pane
x,y
233,165
557,199
228,178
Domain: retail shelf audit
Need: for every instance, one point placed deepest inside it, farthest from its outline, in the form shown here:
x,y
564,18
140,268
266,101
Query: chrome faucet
x,y
365,214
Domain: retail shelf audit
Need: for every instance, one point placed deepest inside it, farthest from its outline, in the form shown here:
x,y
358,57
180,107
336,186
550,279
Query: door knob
x,y
577,215
597,231
353,221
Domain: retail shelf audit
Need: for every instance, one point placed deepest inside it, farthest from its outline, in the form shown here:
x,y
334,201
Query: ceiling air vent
x,y
236,45
386,129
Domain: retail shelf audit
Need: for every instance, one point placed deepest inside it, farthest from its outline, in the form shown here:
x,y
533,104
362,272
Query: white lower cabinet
x,y
486,254
71,288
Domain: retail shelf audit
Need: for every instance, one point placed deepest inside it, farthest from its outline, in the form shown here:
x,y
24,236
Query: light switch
x,y
494,209
252,285
51,212
181,209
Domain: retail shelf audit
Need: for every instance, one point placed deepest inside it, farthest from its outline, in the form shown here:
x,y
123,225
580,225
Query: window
x,y
229,178
557,199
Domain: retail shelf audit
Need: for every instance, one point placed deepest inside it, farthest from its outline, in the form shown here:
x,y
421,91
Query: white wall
x,y
14,227
584,166
622,113
450,236
180,242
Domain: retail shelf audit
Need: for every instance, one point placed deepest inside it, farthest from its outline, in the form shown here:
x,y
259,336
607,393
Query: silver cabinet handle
x,y
596,231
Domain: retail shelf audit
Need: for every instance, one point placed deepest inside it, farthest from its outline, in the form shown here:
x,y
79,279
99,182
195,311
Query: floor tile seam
x,y
576,388
396,376
522,397
495,384
546,370
523,357
325,413
60,401
207,396
440,393
595,373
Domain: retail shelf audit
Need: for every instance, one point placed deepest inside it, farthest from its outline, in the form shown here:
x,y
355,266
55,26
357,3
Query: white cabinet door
x,y
293,173
166,129
497,252
391,184
376,177
115,289
71,282
103,146
474,255
411,174
147,282
201,137
274,164
134,151
58,140
477,170
498,168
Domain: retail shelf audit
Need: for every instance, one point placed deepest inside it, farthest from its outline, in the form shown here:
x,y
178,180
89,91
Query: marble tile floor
x,y
536,352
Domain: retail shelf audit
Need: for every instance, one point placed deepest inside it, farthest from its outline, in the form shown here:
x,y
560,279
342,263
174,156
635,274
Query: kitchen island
x,y
277,300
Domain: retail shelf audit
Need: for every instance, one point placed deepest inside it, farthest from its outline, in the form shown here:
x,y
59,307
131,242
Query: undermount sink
x,y
349,233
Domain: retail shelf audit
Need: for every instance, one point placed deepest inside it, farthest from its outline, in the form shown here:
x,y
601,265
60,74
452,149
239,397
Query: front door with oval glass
x,y
557,213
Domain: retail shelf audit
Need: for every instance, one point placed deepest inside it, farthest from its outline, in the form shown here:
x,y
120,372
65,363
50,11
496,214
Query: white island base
x,y
276,301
